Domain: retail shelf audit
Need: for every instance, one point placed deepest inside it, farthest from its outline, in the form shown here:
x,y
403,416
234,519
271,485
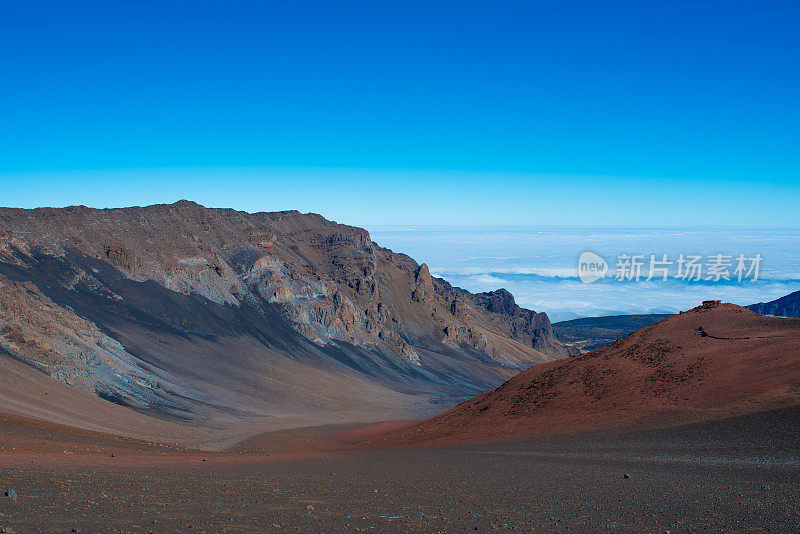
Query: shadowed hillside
x,y
232,319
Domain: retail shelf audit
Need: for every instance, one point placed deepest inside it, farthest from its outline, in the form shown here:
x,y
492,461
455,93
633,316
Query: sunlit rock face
x,y
217,273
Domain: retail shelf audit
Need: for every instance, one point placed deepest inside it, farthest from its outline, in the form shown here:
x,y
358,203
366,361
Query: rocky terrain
x,y
787,306
714,361
591,333
732,475
208,315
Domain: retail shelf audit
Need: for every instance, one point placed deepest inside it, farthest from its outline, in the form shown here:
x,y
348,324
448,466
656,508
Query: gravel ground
x,y
742,475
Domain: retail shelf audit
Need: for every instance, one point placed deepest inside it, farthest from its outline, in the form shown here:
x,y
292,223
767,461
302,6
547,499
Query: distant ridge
x,y
591,333
787,306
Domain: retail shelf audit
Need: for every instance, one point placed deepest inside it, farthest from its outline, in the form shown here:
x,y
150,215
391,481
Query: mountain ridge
x,y
785,306
200,310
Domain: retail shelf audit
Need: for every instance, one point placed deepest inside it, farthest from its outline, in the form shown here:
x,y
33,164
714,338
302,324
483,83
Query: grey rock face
x,y
74,275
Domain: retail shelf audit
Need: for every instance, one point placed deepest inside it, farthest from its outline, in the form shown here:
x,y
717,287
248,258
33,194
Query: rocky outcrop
x,y
122,257
423,284
527,326
328,282
500,301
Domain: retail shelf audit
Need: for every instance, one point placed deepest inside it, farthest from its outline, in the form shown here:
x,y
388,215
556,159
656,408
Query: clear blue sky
x,y
371,112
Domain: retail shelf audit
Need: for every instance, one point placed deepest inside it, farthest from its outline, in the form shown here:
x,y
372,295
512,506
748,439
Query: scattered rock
x,y
310,508
626,476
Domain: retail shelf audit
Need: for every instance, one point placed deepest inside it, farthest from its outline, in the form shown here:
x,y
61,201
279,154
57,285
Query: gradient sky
x,y
551,112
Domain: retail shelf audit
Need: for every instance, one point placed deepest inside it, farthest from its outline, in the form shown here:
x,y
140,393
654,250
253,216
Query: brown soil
x,y
704,364
732,475
600,443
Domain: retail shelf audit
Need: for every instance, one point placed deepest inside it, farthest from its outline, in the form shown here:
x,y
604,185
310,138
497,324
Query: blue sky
x,y
402,112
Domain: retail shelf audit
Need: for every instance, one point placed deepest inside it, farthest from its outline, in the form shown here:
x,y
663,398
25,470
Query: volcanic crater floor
x,y
733,475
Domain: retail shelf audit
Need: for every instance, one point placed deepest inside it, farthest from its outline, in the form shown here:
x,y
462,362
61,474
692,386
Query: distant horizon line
x,y
418,225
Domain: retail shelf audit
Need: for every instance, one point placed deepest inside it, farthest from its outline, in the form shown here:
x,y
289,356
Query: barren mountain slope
x,y
713,361
211,315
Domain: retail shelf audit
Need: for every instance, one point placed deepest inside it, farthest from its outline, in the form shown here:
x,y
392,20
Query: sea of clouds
x,y
538,264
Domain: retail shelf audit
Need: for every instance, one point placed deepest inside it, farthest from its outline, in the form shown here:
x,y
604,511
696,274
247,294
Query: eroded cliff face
x,y
328,282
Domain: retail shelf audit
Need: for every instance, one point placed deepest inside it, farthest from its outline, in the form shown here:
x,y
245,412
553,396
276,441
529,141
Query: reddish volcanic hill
x,y
713,361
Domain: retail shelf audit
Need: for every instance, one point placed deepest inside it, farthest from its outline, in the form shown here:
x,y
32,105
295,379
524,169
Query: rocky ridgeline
x,y
329,281
786,306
